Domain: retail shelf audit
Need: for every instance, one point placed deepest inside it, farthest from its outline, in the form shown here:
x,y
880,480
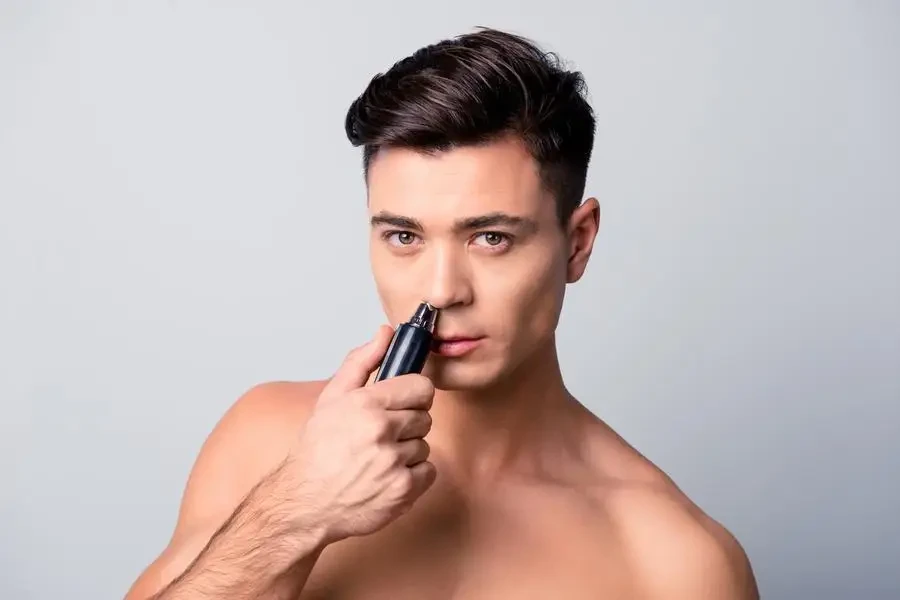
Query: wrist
x,y
290,509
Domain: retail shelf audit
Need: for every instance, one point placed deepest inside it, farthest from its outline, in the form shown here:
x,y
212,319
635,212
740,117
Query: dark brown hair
x,y
473,89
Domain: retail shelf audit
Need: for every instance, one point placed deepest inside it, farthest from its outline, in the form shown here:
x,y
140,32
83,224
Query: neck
x,y
511,426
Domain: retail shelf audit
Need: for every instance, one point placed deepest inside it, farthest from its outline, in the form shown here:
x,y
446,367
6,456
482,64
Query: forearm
x,y
260,552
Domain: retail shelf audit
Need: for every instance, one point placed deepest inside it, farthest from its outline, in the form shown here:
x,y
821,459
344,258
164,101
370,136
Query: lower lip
x,y
456,347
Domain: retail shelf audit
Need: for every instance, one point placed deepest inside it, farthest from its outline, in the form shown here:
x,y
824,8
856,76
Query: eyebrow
x,y
461,225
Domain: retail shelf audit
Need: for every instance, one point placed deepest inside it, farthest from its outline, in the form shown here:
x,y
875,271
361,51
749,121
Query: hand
x,y
361,460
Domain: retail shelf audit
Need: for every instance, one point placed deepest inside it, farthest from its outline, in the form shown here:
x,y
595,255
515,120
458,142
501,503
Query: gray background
x,y
182,218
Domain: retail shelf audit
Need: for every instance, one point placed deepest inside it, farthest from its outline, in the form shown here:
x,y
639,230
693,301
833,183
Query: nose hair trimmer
x,y
410,345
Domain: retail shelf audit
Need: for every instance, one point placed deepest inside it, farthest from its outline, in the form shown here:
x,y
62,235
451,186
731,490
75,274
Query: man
x,y
482,477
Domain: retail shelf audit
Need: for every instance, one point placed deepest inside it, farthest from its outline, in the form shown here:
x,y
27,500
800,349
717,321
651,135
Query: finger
x,y
413,452
410,391
371,378
423,475
409,424
360,362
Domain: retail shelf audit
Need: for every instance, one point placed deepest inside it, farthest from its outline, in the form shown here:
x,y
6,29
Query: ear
x,y
582,231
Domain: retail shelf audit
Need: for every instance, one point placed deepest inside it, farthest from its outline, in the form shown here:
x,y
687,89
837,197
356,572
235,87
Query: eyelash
x,y
506,241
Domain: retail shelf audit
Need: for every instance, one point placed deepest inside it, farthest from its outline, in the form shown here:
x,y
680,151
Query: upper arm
x,y
251,438
681,553
714,567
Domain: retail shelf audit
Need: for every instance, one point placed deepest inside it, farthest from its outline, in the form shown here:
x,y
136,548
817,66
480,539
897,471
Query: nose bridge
x,y
449,279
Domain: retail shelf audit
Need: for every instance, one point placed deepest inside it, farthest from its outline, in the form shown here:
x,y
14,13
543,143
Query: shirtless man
x,y
482,478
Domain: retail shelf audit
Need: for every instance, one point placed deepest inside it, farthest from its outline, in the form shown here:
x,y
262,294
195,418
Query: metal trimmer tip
x,y
425,317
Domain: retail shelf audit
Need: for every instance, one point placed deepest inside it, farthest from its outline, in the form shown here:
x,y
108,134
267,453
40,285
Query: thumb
x,y
361,362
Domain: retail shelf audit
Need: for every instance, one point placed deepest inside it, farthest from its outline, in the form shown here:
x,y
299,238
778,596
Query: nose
x,y
449,281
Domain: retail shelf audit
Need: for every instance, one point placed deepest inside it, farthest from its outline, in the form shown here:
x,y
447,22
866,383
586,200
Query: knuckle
x,y
423,389
428,392
366,397
353,356
381,426
426,386
373,426
429,472
404,481
385,461
356,355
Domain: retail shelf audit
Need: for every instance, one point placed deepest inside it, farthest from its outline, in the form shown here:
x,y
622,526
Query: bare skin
x,y
481,478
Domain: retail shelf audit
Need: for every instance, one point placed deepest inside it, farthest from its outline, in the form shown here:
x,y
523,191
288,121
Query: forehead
x,y
463,182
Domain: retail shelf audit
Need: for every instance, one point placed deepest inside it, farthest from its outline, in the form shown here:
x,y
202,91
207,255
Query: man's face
x,y
473,232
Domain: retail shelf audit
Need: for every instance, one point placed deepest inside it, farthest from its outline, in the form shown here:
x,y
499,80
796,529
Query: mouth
x,y
455,346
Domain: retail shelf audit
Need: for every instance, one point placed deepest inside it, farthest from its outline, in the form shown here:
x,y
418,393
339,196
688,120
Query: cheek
x,y
530,297
396,287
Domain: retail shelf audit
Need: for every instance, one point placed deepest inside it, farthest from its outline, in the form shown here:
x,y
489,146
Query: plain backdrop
x,y
181,218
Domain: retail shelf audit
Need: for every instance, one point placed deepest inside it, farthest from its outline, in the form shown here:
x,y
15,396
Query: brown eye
x,y
493,239
400,238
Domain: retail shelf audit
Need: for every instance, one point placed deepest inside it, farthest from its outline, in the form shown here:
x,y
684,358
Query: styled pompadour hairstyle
x,y
474,89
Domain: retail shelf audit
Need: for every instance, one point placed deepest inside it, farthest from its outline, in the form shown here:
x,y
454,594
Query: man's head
x,y
475,152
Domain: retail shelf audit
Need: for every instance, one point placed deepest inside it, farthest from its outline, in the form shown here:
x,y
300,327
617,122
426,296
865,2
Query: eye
x,y
495,239
399,238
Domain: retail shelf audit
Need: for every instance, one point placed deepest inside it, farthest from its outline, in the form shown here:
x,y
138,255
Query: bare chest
x,y
536,548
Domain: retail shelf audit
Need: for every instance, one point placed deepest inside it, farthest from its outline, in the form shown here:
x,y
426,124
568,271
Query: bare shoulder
x,y
678,551
250,439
